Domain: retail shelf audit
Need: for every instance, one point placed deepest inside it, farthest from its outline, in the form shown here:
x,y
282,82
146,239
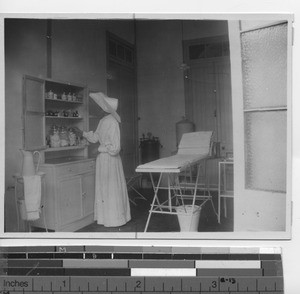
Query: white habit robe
x,y
111,197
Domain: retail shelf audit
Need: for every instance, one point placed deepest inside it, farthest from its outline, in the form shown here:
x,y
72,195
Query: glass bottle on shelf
x,y
72,137
70,97
50,94
64,137
54,137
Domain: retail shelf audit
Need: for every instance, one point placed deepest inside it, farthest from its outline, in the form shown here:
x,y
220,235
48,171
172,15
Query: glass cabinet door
x,y
33,114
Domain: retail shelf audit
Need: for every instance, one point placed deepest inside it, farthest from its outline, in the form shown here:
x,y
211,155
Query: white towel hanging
x,y
32,195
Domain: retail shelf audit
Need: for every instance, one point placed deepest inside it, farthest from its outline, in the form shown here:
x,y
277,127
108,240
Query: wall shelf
x,y
55,149
63,117
63,101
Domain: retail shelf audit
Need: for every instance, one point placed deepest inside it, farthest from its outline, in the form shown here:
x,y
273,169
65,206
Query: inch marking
x,y
110,284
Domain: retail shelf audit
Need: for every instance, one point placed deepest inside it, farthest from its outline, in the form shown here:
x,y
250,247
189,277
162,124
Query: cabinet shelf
x,y
63,117
55,149
94,117
63,101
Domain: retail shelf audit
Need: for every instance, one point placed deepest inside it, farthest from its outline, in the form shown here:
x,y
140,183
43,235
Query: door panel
x,y
265,153
34,136
88,193
224,105
34,92
33,114
208,87
260,62
70,199
264,61
202,83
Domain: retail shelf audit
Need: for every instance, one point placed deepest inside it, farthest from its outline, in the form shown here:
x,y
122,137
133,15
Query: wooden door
x,y
121,84
224,105
208,87
208,92
202,89
261,62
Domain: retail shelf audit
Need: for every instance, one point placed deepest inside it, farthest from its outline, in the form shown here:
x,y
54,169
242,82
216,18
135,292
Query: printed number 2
x,y
138,284
214,284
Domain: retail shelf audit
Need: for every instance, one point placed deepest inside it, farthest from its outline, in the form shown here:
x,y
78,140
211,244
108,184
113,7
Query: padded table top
x,y
175,163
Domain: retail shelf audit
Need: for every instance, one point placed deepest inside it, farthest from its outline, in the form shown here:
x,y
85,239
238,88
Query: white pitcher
x,y
28,168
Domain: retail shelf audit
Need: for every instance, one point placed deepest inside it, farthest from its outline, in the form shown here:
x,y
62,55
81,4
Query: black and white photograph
x,y
148,126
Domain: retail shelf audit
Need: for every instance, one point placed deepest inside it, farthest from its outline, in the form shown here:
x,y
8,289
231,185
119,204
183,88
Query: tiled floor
x,y
166,223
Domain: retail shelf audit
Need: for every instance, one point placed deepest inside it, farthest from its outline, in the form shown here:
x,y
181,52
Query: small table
x,y
223,190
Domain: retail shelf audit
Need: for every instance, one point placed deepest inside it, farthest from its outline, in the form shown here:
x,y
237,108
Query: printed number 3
x,y
214,284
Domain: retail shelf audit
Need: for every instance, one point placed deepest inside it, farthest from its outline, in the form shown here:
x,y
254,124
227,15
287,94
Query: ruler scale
x,y
112,270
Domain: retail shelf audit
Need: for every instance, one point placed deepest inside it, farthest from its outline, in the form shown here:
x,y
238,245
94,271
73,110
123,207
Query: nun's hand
x,y
78,132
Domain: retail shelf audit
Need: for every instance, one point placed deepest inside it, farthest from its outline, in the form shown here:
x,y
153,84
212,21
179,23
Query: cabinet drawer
x,y
75,168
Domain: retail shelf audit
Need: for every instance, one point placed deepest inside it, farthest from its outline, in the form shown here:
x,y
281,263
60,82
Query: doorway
x,y
121,84
208,103
208,89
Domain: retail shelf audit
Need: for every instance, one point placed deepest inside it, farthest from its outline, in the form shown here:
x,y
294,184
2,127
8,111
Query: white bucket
x,y
188,220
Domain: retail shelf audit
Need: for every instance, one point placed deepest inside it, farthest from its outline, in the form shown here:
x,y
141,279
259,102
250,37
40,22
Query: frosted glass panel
x,y
265,142
264,61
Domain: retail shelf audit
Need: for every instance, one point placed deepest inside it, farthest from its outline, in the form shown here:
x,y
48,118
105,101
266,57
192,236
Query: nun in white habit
x,y
111,198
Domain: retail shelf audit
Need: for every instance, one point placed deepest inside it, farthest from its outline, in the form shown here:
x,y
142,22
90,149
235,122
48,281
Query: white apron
x,y
111,198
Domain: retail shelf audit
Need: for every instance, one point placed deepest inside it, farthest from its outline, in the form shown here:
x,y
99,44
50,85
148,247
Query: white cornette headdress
x,y
108,104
